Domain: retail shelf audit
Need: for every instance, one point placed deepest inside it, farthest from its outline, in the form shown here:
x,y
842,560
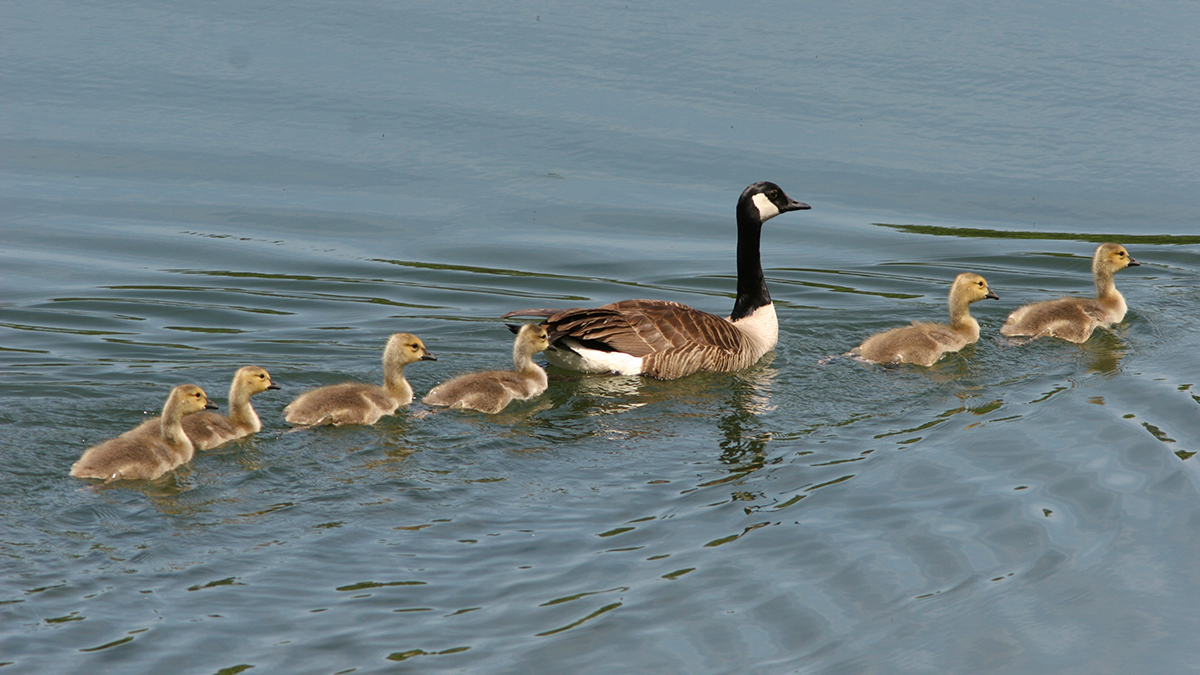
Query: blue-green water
x,y
187,188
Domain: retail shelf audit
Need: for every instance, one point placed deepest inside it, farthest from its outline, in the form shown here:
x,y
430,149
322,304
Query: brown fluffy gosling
x,y
209,429
924,343
1074,319
490,391
151,449
358,403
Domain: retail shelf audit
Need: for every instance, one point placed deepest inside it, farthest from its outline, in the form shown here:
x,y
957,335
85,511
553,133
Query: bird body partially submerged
x,y
1074,319
667,340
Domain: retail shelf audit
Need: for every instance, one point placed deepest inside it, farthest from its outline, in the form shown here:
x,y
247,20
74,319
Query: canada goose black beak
x,y
427,356
991,296
273,386
210,406
1134,263
793,205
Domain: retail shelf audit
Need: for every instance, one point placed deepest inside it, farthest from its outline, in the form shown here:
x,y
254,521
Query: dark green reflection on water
x,y
1168,239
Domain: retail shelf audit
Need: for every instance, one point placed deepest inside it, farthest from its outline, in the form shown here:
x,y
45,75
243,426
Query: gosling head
x,y
192,398
766,200
1112,258
405,348
257,379
973,287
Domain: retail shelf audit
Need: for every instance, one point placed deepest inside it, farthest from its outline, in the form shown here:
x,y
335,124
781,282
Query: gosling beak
x,y
1134,263
272,386
428,357
210,406
992,296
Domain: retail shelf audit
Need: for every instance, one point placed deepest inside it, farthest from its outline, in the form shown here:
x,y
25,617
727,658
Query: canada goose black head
x,y
765,200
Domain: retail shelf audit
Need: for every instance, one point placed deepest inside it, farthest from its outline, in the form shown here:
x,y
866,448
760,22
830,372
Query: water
x,y
190,188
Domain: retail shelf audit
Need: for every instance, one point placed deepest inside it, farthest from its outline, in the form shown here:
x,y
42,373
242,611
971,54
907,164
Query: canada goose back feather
x,y
210,429
151,449
1074,319
490,391
924,343
358,403
666,340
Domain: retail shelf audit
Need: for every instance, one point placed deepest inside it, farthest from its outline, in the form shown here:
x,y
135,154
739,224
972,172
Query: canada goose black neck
x,y
752,290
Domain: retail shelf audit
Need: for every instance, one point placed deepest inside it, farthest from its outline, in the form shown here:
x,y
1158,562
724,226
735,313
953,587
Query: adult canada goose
x,y
357,403
1074,319
665,339
209,429
149,450
924,343
490,391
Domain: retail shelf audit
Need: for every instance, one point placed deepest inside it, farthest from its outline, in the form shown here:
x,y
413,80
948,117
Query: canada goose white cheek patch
x,y
766,208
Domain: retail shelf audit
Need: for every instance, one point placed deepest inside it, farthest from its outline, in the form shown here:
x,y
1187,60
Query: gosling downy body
x,y
666,340
210,429
1074,319
358,403
924,343
151,449
490,391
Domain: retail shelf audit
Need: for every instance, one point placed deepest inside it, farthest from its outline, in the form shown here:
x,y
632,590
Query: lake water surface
x,y
186,188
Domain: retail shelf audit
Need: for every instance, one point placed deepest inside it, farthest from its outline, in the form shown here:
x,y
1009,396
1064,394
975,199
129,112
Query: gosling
x,y
924,343
490,391
209,429
151,449
1074,319
357,403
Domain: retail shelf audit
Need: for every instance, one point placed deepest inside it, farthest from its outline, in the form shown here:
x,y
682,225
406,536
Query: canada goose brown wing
x,y
640,327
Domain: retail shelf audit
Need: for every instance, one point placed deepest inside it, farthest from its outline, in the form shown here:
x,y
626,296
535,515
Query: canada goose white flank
x,y
1074,319
210,429
151,449
358,403
491,391
924,343
665,339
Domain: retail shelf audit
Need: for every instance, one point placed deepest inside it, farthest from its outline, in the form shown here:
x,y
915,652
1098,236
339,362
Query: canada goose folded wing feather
x,y
641,327
668,364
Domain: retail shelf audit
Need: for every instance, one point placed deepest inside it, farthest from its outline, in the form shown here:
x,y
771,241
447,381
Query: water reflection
x,y
744,442
971,232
